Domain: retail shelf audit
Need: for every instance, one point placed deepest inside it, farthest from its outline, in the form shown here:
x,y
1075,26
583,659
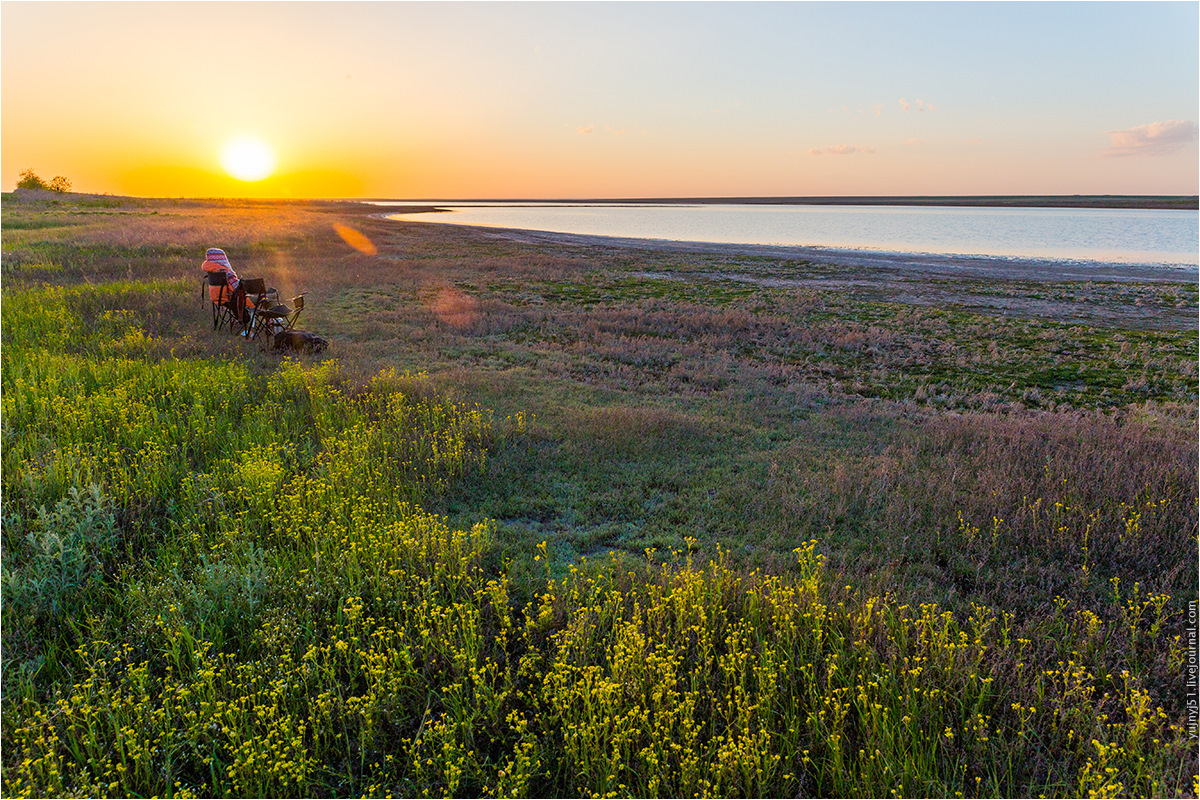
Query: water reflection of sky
x,y
1130,236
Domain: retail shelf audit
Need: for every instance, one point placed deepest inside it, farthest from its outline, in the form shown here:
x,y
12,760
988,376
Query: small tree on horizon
x,y
30,180
60,184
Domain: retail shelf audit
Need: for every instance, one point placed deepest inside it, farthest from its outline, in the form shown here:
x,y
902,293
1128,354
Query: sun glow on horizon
x,y
248,159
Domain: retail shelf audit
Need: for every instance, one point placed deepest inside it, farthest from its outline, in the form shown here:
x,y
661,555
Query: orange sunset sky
x,y
571,100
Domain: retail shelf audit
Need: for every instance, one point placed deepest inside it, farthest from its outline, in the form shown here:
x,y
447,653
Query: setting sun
x,y
248,159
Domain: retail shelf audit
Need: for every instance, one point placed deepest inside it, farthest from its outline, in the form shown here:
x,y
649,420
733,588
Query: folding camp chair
x,y
252,291
271,317
224,309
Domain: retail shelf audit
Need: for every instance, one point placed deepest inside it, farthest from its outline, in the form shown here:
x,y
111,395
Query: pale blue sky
x,y
609,99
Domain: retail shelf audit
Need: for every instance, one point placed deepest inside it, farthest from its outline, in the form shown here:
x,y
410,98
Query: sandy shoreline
x,y
931,264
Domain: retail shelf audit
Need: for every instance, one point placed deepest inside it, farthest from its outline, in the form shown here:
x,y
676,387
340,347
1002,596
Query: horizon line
x,y
1146,201
1129,201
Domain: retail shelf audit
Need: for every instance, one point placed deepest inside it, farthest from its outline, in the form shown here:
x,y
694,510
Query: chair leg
x,y
289,322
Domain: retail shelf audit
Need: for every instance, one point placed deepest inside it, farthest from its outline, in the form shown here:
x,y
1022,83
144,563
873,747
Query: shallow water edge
x,y
933,264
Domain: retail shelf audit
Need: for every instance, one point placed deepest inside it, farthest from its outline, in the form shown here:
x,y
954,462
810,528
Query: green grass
x,y
614,290
652,545
36,224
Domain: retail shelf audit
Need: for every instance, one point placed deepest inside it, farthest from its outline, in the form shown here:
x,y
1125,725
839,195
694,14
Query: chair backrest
x,y
215,280
254,285
298,303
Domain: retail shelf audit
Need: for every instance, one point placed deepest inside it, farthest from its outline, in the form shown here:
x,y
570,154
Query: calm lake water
x,y
1126,236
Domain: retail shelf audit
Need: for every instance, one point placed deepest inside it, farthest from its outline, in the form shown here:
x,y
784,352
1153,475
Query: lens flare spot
x,y
356,239
455,308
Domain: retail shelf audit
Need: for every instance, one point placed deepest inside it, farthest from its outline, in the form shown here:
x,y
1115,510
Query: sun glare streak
x,y
285,273
248,159
356,239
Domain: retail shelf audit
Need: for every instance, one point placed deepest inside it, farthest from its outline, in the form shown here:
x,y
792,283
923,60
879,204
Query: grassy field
x,y
554,520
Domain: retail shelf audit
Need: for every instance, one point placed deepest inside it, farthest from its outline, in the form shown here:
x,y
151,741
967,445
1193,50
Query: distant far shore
x,y
1180,202
1165,201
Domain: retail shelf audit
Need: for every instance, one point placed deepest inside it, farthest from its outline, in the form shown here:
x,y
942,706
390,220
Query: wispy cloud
x,y
876,109
611,130
919,105
1153,139
840,150
914,141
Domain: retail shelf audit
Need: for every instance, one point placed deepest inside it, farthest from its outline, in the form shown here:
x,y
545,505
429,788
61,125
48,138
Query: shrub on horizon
x,y
30,180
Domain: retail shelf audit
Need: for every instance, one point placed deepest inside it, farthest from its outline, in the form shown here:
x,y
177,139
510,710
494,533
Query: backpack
x,y
300,342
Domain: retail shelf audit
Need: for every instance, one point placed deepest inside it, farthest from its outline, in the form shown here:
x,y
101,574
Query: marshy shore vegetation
x,y
555,520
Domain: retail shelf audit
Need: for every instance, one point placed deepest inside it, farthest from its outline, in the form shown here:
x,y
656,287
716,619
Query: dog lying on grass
x,y
300,342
